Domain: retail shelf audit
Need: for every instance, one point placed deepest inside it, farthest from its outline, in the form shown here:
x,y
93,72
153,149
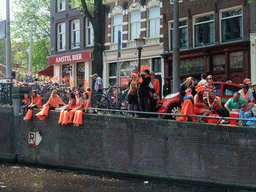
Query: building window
x,y
135,18
66,71
183,34
75,34
236,59
154,22
219,62
156,62
80,74
192,66
204,30
75,4
90,33
117,26
231,25
172,1
61,36
61,5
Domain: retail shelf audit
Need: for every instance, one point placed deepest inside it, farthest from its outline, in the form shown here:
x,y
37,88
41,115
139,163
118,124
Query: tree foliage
x,y
94,10
36,12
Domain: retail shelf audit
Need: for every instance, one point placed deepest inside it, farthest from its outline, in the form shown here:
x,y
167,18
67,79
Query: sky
x,y
3,8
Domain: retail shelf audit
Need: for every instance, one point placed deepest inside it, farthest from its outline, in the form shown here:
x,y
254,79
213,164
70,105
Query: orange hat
x,y
247,81
200,89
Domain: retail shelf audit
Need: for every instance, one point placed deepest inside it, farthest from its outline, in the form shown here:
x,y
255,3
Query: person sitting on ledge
x,y
35,103
78,118
234,103
53,102
214,103
71,105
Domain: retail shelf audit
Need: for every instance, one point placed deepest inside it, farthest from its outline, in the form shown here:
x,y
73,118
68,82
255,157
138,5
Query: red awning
x,y
47,71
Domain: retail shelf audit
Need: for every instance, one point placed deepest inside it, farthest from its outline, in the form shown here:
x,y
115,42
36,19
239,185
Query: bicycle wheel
x,y
104,103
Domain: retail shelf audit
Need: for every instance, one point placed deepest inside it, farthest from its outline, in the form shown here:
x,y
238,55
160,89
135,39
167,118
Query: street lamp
x,y
140,42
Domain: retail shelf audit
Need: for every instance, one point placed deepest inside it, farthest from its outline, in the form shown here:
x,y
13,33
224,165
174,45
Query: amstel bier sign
x,y
69,58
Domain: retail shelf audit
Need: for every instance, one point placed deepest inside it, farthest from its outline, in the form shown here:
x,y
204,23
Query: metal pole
x,y
176,48
8,42
117,63
139,49
30,49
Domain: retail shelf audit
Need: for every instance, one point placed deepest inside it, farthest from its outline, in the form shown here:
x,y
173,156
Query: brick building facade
x,y
215,39
71,44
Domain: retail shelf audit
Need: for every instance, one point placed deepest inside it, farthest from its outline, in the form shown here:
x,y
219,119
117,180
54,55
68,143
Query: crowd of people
x,y
143,95
72,112
204,100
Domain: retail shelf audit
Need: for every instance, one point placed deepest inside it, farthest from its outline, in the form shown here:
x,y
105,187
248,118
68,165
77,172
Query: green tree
x,y
94,10
36,12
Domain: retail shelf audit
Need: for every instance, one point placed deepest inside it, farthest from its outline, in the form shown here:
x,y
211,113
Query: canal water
x,y
18,178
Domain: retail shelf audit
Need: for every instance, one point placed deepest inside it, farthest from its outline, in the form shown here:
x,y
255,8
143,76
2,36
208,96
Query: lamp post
x,y
140,42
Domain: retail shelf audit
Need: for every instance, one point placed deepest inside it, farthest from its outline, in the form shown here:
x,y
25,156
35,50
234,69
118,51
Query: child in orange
x,y
35,103
78,118
26,102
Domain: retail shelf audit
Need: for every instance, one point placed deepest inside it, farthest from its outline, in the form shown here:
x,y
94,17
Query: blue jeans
x,y
219,111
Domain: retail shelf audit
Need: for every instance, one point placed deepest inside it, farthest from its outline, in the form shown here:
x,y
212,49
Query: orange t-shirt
x,y
156,86
36,99
89,94
55,102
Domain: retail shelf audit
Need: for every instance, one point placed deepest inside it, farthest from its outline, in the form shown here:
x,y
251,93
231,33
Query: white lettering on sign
x,y
34,138
69,58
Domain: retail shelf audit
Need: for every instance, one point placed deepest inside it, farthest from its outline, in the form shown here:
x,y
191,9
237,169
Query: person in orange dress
x,y
155,96
53,102
70,114
71,105
78,118
35,103
200,108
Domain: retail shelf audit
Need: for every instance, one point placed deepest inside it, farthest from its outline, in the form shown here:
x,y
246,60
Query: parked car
x,y
171,103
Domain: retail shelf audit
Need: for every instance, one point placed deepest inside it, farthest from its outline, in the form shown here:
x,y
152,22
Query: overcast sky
x,y
3,8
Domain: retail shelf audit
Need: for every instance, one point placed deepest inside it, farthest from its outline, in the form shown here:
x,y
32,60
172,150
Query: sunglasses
x,y
210,78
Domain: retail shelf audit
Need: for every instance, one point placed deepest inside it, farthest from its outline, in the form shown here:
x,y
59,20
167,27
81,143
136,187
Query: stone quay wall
x,y
220,154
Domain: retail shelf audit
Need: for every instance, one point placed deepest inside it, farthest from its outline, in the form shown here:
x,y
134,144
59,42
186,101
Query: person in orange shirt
x,y
70,114
35,103
53,102
88,91
155,96
78,118
71,105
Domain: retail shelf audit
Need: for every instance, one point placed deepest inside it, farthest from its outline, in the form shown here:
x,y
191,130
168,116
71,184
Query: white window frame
x,y
220,19
170,28
77,32
172,1
134,22
89,30
59,2
154,18
116,25
58,37
203,15
75,4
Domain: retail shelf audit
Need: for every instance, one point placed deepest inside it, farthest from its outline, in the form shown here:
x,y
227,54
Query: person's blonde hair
x,y
188,80
54,92
208,96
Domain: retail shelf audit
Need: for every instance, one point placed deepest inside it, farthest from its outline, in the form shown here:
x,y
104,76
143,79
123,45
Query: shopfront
x,y
225,62
72,69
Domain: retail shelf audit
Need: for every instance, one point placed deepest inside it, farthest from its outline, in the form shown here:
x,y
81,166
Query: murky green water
x,y
25,178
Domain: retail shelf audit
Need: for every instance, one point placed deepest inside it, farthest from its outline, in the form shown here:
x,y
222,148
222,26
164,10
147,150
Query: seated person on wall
x,y
25,102
200,108
68,115
185,88
35,103
214,103
71,105
234,103
209,86
78,118
53,102
246,93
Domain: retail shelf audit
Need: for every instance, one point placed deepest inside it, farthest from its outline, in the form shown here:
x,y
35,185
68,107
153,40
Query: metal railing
x,y
6,93
161,115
